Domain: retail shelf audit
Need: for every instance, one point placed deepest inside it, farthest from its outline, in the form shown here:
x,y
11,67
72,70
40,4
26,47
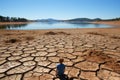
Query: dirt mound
x,y
115,37
95,33
56,33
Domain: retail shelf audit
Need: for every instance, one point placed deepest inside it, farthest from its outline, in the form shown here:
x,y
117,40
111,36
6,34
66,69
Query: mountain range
x,y
48,20
69,20
76,20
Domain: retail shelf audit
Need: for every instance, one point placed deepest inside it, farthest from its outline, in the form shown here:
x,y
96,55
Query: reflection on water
x,y
52,25
80,24
11,26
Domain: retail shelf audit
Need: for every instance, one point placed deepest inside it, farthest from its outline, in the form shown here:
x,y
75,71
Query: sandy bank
x,y
72,31
115,23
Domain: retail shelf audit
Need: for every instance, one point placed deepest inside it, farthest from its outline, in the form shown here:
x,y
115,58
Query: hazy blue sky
x,y
60,9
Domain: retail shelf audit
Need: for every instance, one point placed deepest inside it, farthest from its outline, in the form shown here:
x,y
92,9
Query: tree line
x,y
12,19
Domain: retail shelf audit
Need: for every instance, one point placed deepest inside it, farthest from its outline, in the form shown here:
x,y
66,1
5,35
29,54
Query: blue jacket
x,y
60,69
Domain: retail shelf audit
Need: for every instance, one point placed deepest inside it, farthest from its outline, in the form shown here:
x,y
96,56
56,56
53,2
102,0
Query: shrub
x,y
11,41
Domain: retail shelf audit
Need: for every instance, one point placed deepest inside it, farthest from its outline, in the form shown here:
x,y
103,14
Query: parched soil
x,y
89,54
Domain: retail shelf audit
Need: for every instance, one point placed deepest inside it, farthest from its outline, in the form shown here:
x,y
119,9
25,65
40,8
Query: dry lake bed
x,y
89,54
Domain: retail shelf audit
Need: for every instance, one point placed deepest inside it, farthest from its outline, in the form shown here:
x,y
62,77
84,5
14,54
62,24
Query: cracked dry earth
x,y
86,56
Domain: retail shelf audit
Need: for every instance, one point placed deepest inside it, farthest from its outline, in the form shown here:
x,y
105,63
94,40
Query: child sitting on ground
x,y
60,70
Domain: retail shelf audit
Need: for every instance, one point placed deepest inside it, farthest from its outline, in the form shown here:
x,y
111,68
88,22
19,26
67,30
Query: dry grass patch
x,y
29,38
63,33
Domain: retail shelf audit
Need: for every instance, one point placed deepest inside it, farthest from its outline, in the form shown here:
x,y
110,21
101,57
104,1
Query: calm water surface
x,y
49,25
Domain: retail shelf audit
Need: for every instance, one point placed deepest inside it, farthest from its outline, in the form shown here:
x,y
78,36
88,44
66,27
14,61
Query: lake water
x,y
56,25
